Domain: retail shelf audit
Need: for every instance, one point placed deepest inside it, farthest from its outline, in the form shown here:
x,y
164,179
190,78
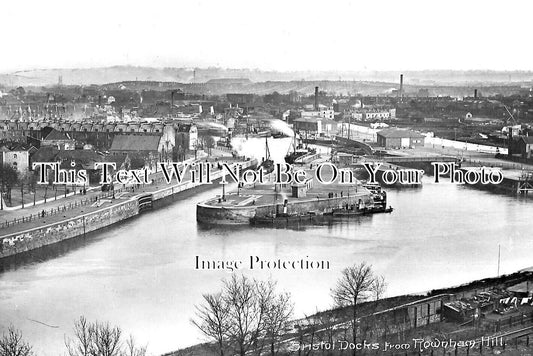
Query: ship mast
x,y
267,151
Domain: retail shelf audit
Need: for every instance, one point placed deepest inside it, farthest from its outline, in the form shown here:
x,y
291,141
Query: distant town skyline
x,y
337,35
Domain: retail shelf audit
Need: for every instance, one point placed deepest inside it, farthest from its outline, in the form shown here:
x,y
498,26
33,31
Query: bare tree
x,y
131,348
374,322
278,318
107,339
100,339
328,321
241,298
245,316
213,319
378,288
81,345
264,295
12,344
307,334
8,179
275,313
354,286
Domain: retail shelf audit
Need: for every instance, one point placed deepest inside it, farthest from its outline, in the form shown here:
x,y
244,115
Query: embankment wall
x,y
34,238
77,226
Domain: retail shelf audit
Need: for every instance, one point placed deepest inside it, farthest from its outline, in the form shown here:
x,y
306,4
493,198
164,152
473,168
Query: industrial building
x,y
374,114
522,146
396,138
316,125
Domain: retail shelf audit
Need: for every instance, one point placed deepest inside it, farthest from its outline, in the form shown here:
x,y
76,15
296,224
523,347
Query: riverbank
x,y
437,236
486,309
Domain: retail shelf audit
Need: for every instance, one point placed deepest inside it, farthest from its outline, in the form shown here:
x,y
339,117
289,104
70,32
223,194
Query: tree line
x,y
89,339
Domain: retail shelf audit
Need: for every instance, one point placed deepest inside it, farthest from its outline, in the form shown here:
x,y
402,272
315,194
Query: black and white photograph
x,y
252,178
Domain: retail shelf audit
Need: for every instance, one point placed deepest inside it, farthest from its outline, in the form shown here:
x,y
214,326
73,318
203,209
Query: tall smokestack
x,y
171,101
316,98
401,87
475,93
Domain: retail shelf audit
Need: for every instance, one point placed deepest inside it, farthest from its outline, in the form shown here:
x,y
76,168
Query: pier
x,y
269,200
525,183
517,177
515,181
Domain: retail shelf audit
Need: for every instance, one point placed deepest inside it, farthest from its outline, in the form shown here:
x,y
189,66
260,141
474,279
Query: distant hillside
x,y
332,87
87,76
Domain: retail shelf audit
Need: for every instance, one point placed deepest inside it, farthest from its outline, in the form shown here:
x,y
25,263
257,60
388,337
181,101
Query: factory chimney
x,y
316,98
401,87
475,93
171,101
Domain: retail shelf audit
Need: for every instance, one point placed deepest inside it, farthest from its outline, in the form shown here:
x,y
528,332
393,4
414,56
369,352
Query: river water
x,y
140,274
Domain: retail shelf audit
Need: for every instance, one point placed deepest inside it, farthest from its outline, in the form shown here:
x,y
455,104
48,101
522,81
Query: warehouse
x,y
396,138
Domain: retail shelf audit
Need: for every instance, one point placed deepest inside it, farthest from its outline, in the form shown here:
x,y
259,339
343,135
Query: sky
x,y
283,35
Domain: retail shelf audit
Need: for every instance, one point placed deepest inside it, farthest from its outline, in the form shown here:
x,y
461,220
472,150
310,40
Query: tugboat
x,y
267,164
282,218
376,206
297,152
358,210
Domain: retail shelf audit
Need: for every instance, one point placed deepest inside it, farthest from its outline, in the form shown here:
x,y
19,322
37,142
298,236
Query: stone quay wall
x,y
77,226
227,215
34,238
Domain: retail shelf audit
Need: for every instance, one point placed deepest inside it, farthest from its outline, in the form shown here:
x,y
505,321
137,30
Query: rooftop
x,y
135,143
56,135
524,287
527,139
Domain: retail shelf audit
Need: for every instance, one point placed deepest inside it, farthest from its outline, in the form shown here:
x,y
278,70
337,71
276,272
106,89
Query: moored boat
x,y
364,211
267,164
298,151
286,219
